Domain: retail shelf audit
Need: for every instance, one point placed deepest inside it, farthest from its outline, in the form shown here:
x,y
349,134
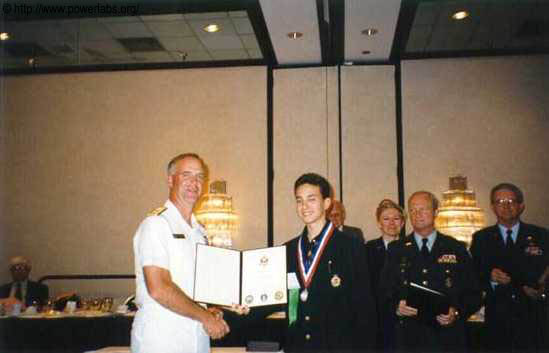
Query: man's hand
x,y
214,326
499,276
239,309
533,293
216,311
405,310
448,319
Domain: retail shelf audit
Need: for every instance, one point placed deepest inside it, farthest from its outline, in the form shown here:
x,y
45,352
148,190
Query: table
x,y
64,334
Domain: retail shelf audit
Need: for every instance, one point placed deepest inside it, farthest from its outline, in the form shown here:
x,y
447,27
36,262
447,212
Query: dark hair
x,y
430,195
183,156
316,180
507,186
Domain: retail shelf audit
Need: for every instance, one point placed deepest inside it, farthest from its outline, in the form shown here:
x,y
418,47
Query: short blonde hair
x,y
385,204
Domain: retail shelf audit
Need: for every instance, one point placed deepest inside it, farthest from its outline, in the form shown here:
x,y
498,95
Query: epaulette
x,y
157,211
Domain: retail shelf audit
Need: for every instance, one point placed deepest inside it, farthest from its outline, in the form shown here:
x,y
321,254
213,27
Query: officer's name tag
x,y
179,236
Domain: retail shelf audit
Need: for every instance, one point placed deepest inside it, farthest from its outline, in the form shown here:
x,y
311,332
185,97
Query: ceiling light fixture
x,y
295,35
212,28
460,15
369,32
4,36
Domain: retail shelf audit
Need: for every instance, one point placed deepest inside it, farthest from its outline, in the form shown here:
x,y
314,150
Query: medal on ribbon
x,y
307,275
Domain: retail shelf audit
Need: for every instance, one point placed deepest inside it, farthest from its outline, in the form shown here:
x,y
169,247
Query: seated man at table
x,y
22,288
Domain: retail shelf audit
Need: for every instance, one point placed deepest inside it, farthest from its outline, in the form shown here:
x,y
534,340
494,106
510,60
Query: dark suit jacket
x,y
354,232
448,269
376,254
513,320
337,318
35,291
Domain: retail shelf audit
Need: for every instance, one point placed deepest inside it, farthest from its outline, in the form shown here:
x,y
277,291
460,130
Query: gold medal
x,y
335,281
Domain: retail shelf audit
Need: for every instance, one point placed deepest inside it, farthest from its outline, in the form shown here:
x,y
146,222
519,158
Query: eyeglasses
x,y
19,267
416,211
506,202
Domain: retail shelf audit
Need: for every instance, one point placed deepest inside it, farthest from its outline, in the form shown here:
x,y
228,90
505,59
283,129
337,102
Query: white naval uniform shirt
x,y
155,328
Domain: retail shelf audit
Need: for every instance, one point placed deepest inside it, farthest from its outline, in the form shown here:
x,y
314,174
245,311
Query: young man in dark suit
x,y
435,261
510,258
23,289
334,309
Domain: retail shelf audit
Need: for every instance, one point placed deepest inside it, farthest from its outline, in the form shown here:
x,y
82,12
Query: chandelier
x,y
215,212
459,215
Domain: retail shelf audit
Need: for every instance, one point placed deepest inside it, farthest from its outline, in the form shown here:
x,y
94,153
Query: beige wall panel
x,y
368,143
87,154
305,138
485,118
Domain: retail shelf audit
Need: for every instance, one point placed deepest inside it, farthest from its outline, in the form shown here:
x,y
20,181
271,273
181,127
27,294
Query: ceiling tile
x,y
93,31
158,56
128,30
229,54
243,26
222,42
255,53
156,18
104,46
238,14
419,38
198,56
226,25
283,16
363,14
452,37
47,61
119,19
249,41
170,29
205,15
427,13
183,43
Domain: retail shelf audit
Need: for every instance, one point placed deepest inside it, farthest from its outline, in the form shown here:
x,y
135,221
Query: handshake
x,y
214,324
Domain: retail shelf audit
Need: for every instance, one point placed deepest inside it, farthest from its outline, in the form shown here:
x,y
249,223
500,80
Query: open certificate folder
x,y
252,277
428,302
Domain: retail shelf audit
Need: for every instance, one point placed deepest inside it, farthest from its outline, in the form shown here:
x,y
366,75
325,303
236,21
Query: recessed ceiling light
x,y
460,15
366,52
4,36
295,35
211,28
369,32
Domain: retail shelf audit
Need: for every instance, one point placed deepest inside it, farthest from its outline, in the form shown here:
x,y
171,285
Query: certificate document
x,y
252,277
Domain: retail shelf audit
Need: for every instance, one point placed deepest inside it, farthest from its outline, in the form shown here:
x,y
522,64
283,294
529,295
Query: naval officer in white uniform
x,y
168,320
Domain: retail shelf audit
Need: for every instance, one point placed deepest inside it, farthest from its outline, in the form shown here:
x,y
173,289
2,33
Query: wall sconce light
x,y
215,212
459,215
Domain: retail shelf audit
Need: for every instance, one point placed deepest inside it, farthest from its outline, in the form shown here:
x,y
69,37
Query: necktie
x,y
509,240
424,248
18,292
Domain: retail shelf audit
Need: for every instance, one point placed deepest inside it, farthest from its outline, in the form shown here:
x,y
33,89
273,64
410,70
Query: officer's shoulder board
x,y
157,211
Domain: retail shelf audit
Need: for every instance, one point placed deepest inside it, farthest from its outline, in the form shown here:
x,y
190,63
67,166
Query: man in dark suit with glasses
x,y
511,259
